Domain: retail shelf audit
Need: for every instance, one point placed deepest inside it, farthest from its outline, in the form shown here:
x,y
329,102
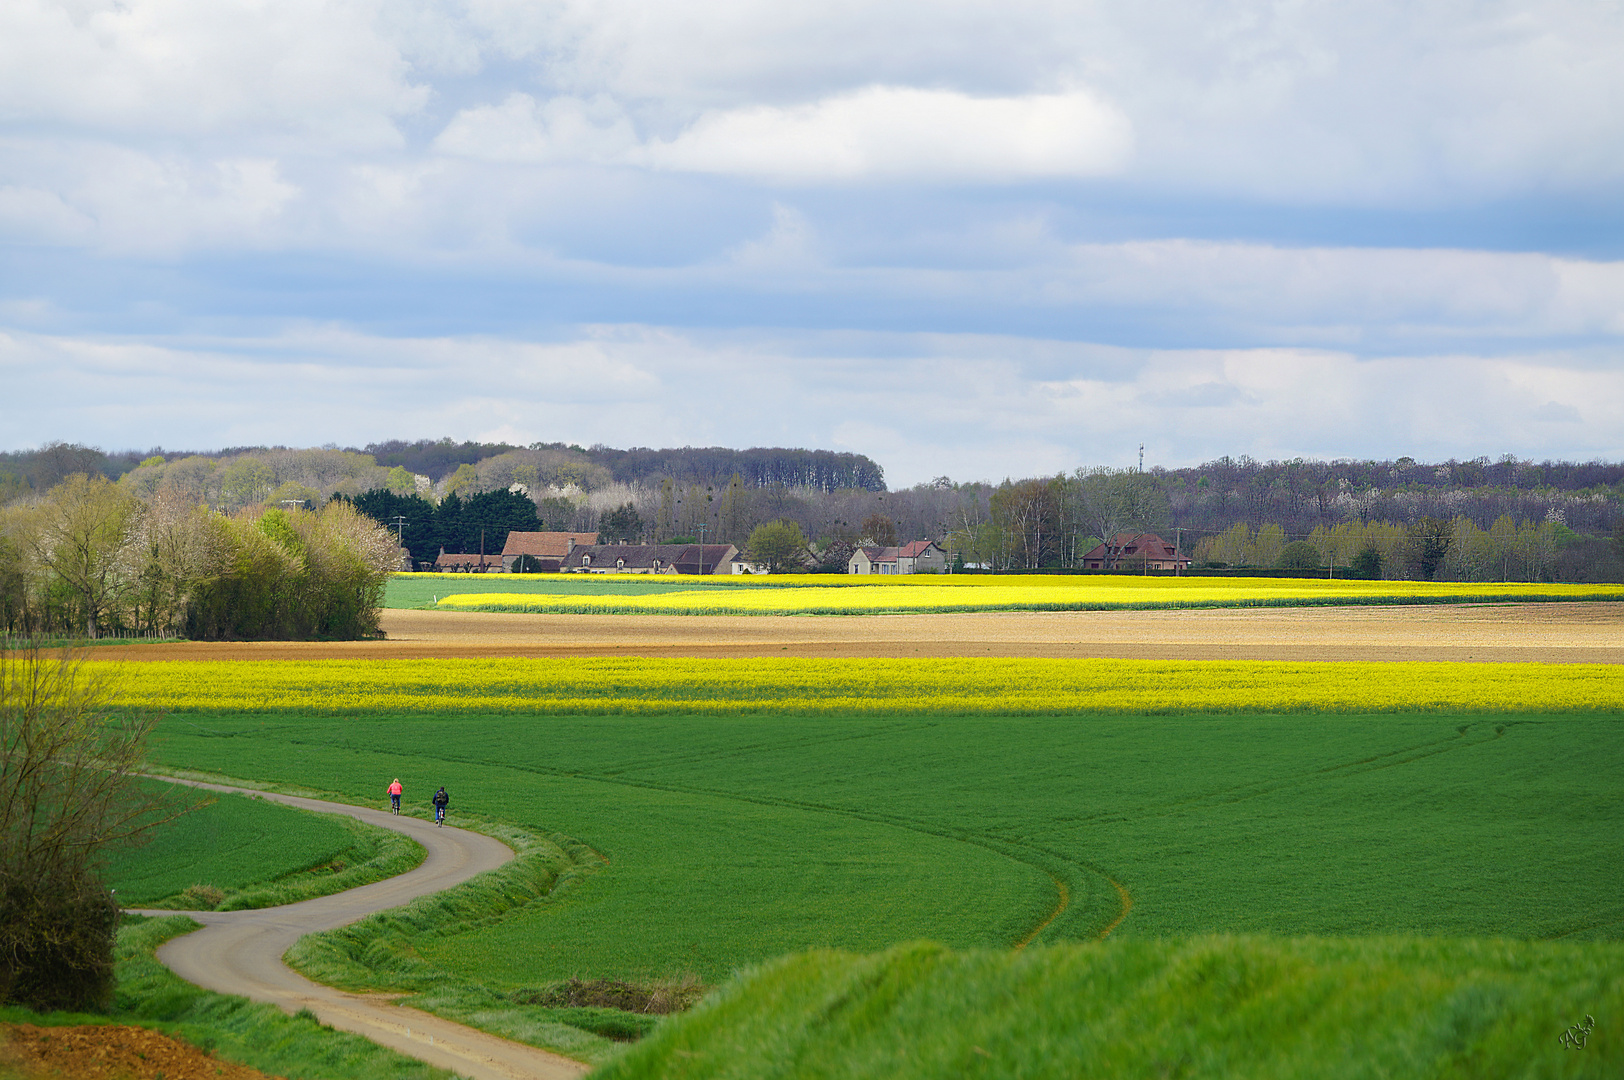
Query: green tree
x,y
82,535
1298,555
462,480
246,482
1368,562
621,525
400,481
1426,544
777,544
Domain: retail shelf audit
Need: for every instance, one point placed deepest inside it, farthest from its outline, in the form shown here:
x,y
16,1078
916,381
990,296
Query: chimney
x,y
571,549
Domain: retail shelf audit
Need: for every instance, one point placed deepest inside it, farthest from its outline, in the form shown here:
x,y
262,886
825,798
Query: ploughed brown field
x,y
110,1052
1549,633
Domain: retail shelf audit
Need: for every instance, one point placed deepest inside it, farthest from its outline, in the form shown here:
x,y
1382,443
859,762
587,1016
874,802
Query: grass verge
x,y
1211,1007
232,1028
380,953
236,852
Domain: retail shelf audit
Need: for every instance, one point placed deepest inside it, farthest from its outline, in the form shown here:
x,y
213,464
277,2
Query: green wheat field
x,y
719,845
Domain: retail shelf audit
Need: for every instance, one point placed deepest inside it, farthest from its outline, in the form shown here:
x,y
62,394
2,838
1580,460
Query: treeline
x,y
90,558
588,467
1302,495
1431,549
819,470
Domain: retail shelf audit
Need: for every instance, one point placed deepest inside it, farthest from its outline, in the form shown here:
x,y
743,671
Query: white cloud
x,y
117,199
313,71
1383,102
560,130
894,133
879,132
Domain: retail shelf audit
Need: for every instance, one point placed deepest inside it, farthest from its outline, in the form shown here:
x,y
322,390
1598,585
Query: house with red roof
x,y
541,552
1140,551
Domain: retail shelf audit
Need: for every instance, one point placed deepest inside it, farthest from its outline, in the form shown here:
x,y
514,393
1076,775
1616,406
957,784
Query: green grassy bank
x,y
233,1028
1213,1007
233,852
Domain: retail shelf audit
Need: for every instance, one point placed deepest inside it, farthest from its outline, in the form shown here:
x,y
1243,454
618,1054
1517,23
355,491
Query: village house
x,y
468,564
541,552
921,556
1137,551
651,559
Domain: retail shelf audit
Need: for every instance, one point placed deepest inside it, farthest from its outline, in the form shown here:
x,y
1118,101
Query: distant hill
x,y
23,471
826,470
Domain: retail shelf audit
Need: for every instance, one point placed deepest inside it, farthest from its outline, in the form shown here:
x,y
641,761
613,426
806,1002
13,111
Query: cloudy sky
x,y
967,238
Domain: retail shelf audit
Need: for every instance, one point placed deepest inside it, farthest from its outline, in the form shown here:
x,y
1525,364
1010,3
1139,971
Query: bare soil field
x,y
1548,633
111,1052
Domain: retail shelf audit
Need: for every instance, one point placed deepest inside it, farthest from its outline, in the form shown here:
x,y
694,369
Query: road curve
x,y
240,952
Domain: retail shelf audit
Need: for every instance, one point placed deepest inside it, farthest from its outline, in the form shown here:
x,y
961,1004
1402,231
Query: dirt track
x,y
240,952
1551,633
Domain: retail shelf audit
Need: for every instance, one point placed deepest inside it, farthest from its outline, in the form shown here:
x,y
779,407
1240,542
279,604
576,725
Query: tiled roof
x,y
1136,545
491,559
544,545
687,558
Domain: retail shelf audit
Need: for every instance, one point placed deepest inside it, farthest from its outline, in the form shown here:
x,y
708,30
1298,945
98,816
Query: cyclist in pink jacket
x,y
394,795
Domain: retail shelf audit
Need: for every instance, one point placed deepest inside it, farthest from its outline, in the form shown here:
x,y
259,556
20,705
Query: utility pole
x,y
400,524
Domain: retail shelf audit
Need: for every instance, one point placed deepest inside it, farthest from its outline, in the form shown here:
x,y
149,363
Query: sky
x,y
971,239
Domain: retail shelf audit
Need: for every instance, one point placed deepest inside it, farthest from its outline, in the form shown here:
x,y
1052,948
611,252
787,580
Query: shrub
x,y
1299,555
69,786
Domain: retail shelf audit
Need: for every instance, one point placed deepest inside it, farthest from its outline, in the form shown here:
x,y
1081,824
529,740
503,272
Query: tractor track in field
x,y
240,952
997,845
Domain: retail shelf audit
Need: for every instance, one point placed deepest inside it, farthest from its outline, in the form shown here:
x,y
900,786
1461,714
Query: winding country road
x,y
240,952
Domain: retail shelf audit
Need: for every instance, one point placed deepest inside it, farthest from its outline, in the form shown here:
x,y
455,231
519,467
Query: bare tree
x,y
1112,501
69,787
878,529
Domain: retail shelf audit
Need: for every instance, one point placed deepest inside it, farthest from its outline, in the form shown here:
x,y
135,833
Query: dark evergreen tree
x,y
622,524
493,514
418,531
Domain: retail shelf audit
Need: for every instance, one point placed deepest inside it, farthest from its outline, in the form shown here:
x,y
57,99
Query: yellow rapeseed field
x,y
803,595
869,686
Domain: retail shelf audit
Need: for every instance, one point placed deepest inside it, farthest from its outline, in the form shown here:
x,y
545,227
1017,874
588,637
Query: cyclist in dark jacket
x,y
441,801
